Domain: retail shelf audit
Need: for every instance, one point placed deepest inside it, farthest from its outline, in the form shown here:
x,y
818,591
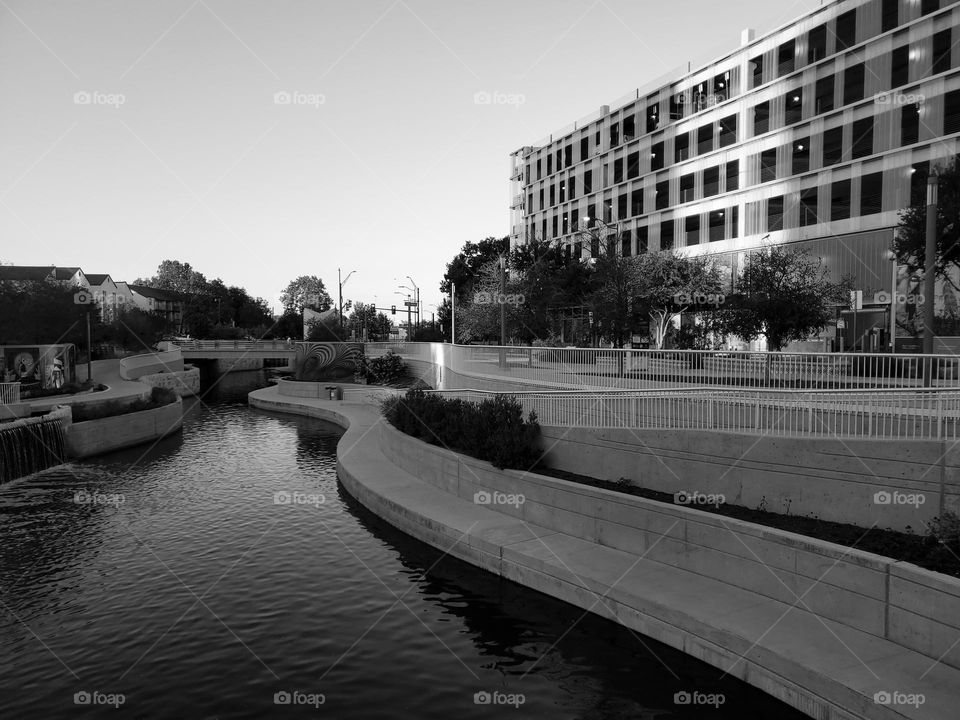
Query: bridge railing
x,y
584,368
888,414
235,345
9,393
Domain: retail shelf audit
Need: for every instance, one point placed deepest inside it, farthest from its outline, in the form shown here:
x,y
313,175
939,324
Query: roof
x,y
65,273
157,293
26,272
97,279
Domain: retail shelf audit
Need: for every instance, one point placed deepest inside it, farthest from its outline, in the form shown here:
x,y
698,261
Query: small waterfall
x,y
29,447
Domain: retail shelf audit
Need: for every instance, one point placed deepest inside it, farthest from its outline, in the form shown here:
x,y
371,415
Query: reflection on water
x,y
188,590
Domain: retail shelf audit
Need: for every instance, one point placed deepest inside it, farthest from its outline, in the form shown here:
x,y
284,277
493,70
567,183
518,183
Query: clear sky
x,y
381,162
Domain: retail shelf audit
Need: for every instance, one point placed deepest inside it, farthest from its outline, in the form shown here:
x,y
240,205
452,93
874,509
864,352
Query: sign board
x,y
410,303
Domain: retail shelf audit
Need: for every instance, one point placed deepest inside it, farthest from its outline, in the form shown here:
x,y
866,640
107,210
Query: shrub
x,y
492,430
383,370
158,398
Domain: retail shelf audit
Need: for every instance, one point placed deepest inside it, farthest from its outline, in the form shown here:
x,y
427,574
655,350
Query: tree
x,y
177,276
366,317
616,281
44,312
478,317
464,269
788,296
909,243
669,283
306,291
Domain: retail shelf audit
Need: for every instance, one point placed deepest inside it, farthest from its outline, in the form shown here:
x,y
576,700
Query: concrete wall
x,y
186,382
824,478
896,601
112,433
239,364
133,367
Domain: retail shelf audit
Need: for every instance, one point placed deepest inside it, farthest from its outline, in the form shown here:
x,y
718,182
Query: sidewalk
x,y
106,372
824,668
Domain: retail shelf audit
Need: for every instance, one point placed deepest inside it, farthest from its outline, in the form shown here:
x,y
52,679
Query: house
x,y
167,303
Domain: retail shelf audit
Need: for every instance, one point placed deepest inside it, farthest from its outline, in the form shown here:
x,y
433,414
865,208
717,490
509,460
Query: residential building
x,y
815,134
167,303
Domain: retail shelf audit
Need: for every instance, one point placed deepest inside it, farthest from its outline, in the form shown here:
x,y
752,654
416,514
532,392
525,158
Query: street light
x,y
416,290
892,257
341,283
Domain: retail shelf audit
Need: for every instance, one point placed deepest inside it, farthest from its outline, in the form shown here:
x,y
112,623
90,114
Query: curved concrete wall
x,y
186,382
113,433
898,602
135,366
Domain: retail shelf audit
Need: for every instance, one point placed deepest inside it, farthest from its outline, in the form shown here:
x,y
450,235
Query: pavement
x,y
106,372
824,668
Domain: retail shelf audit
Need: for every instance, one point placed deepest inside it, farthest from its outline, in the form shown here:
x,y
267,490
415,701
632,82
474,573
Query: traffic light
x,y
393,309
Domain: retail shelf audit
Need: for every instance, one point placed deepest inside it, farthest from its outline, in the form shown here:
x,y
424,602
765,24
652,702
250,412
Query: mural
x,y
45,365
327,361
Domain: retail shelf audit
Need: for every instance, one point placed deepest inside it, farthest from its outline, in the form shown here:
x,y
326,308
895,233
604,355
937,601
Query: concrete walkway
x,y
106,372
827,670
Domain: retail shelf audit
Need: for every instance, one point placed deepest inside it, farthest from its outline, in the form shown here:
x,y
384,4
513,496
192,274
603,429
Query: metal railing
x,y
887,414
234,345
607,368
9,393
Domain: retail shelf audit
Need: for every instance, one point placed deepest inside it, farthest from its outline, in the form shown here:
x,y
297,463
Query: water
x,y
177,582
27,447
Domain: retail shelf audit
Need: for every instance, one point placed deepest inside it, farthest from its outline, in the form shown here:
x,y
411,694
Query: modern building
x,y
815,134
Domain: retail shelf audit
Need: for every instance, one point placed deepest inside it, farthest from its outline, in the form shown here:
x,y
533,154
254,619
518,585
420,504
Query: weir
x,y
29,446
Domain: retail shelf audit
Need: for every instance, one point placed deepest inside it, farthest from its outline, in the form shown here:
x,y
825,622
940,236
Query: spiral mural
x,y
321,361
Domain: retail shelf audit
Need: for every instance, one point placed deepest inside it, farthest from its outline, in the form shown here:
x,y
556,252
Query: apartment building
x,y
815,134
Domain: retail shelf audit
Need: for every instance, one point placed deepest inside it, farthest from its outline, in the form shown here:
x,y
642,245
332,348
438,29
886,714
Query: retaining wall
x,y
135,366
94,437
185,382
239,364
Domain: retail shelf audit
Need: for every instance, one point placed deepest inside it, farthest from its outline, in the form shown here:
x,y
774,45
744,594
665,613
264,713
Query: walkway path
x,y
825,669
106,372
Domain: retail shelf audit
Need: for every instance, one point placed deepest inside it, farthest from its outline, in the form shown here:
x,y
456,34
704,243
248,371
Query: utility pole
x,y
929,273
340,299
503,305
453,313
89,349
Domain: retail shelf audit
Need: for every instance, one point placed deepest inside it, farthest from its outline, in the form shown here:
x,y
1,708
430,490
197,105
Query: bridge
x,y
233,349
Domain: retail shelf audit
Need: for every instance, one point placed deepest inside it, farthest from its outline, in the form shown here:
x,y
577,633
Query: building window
x,y
653,117
608,211
676,106
711,181
721,87
941,51
833,146
951,112
622,206
918,182
823,102
909,123
663,195
756,77
732,175
614,134
573,186
587,181
900,66
793,102
636,202
555,226
929,6
629,128
862,138
728,130
846,30
539,174
594,247
584,148
716,220
568,156
656,156
575,219
666,234
626,243
734,220
681,147
761,118
808,207
618,170
591,215
705,139
686,188
700,97
633,165
692,227
801,156
817,44
871,193
840,200
542,206
853,78
785,55
775,213
566,225
553,195
549,165
643,239
890,15
768,165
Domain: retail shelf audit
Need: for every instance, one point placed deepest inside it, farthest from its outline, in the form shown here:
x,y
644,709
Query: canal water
x,y
172,581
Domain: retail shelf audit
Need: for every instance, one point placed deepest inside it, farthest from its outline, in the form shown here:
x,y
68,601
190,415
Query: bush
x,y
492,430
158,398
383,370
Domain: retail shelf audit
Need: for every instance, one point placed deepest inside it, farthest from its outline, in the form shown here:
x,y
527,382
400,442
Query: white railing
x,y
9,393
586,368
893,414
235,345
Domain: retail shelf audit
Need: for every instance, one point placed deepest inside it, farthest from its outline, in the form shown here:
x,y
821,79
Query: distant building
x,y
167,303
108,295
39,273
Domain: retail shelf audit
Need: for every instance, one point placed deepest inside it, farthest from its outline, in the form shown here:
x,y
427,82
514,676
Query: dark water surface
x,y
178,583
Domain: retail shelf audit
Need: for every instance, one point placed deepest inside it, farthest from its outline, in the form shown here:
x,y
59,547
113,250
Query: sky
x,y
260,140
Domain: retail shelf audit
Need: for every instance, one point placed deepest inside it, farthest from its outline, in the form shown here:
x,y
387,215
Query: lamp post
x,y
416,290
892,257
341,283
929,272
